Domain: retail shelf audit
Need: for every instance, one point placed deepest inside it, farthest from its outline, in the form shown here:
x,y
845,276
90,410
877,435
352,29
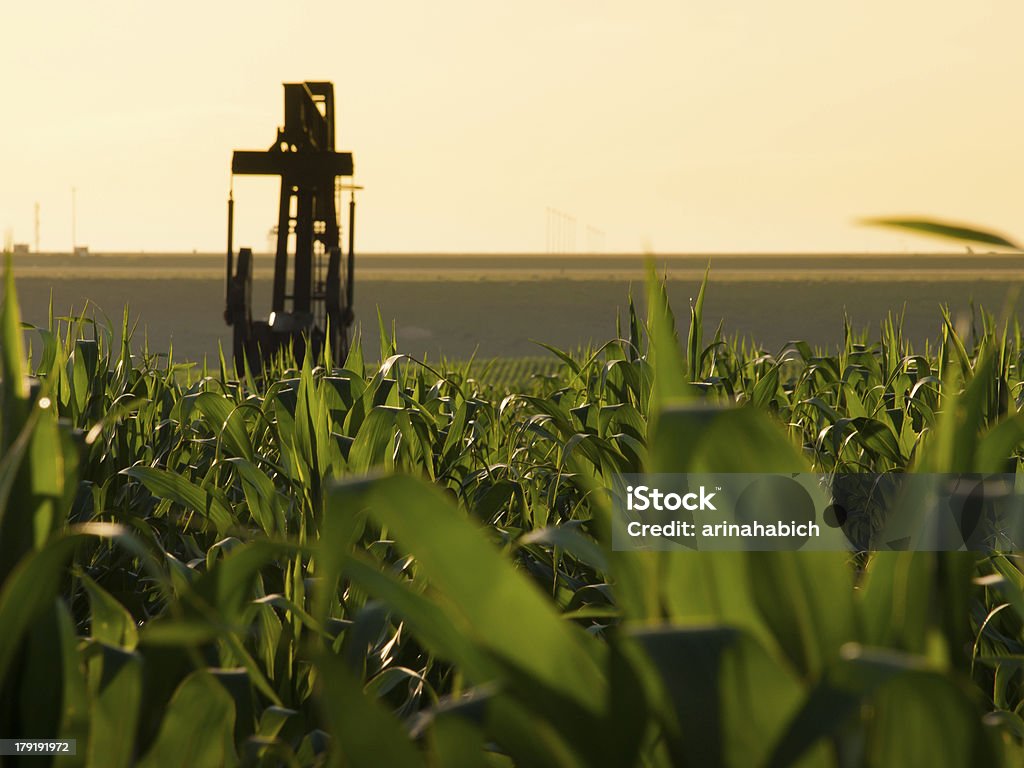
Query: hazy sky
x,y
675,126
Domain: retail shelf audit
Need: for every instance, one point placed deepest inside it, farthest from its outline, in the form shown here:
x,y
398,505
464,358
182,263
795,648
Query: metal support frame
x,y
308,248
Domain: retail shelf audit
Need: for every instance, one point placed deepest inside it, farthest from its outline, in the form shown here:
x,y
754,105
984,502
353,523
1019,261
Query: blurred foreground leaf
x,y
945,230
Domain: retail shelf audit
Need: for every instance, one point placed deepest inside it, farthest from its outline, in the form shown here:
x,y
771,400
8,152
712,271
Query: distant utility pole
x,y
561,232
74,218
551,246
37,228
552,227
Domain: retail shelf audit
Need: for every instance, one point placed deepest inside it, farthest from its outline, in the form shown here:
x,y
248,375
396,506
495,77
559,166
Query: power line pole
x,y
547,230
37,228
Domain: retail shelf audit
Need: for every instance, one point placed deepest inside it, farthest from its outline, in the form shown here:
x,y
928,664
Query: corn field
x,y
399,564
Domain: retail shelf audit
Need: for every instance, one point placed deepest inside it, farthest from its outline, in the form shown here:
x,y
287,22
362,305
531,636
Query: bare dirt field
x,y
495,305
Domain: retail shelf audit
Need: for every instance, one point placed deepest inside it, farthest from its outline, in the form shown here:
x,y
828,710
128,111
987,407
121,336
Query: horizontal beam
x,y
292,164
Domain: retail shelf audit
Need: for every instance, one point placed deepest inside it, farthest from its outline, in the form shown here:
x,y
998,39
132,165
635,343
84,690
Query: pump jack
x,y
316,307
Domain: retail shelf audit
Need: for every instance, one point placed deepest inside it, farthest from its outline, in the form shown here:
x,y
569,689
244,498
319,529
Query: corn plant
x,y
399,563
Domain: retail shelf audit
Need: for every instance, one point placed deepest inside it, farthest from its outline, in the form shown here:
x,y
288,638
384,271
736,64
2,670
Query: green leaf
x,y
429,622
115,686
703,438
17,532
895,600
997,445
570,540
702,588
374,439
272,720
177,488
456,742
14,393
877,437
695,339
916,713
364,732
487,598
29,591
112,624
75,717
954,447
38,679
671,379
766,388
806,599
945,230
198,727
725,700
227,422
261,496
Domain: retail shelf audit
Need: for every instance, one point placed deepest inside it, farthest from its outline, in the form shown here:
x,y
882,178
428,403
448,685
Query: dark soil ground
x,y
495,305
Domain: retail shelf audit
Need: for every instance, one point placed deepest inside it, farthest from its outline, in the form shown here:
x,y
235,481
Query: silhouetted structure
x,y
318,303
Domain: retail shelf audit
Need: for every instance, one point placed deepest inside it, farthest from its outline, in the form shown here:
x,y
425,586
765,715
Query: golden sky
x,y
672,126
